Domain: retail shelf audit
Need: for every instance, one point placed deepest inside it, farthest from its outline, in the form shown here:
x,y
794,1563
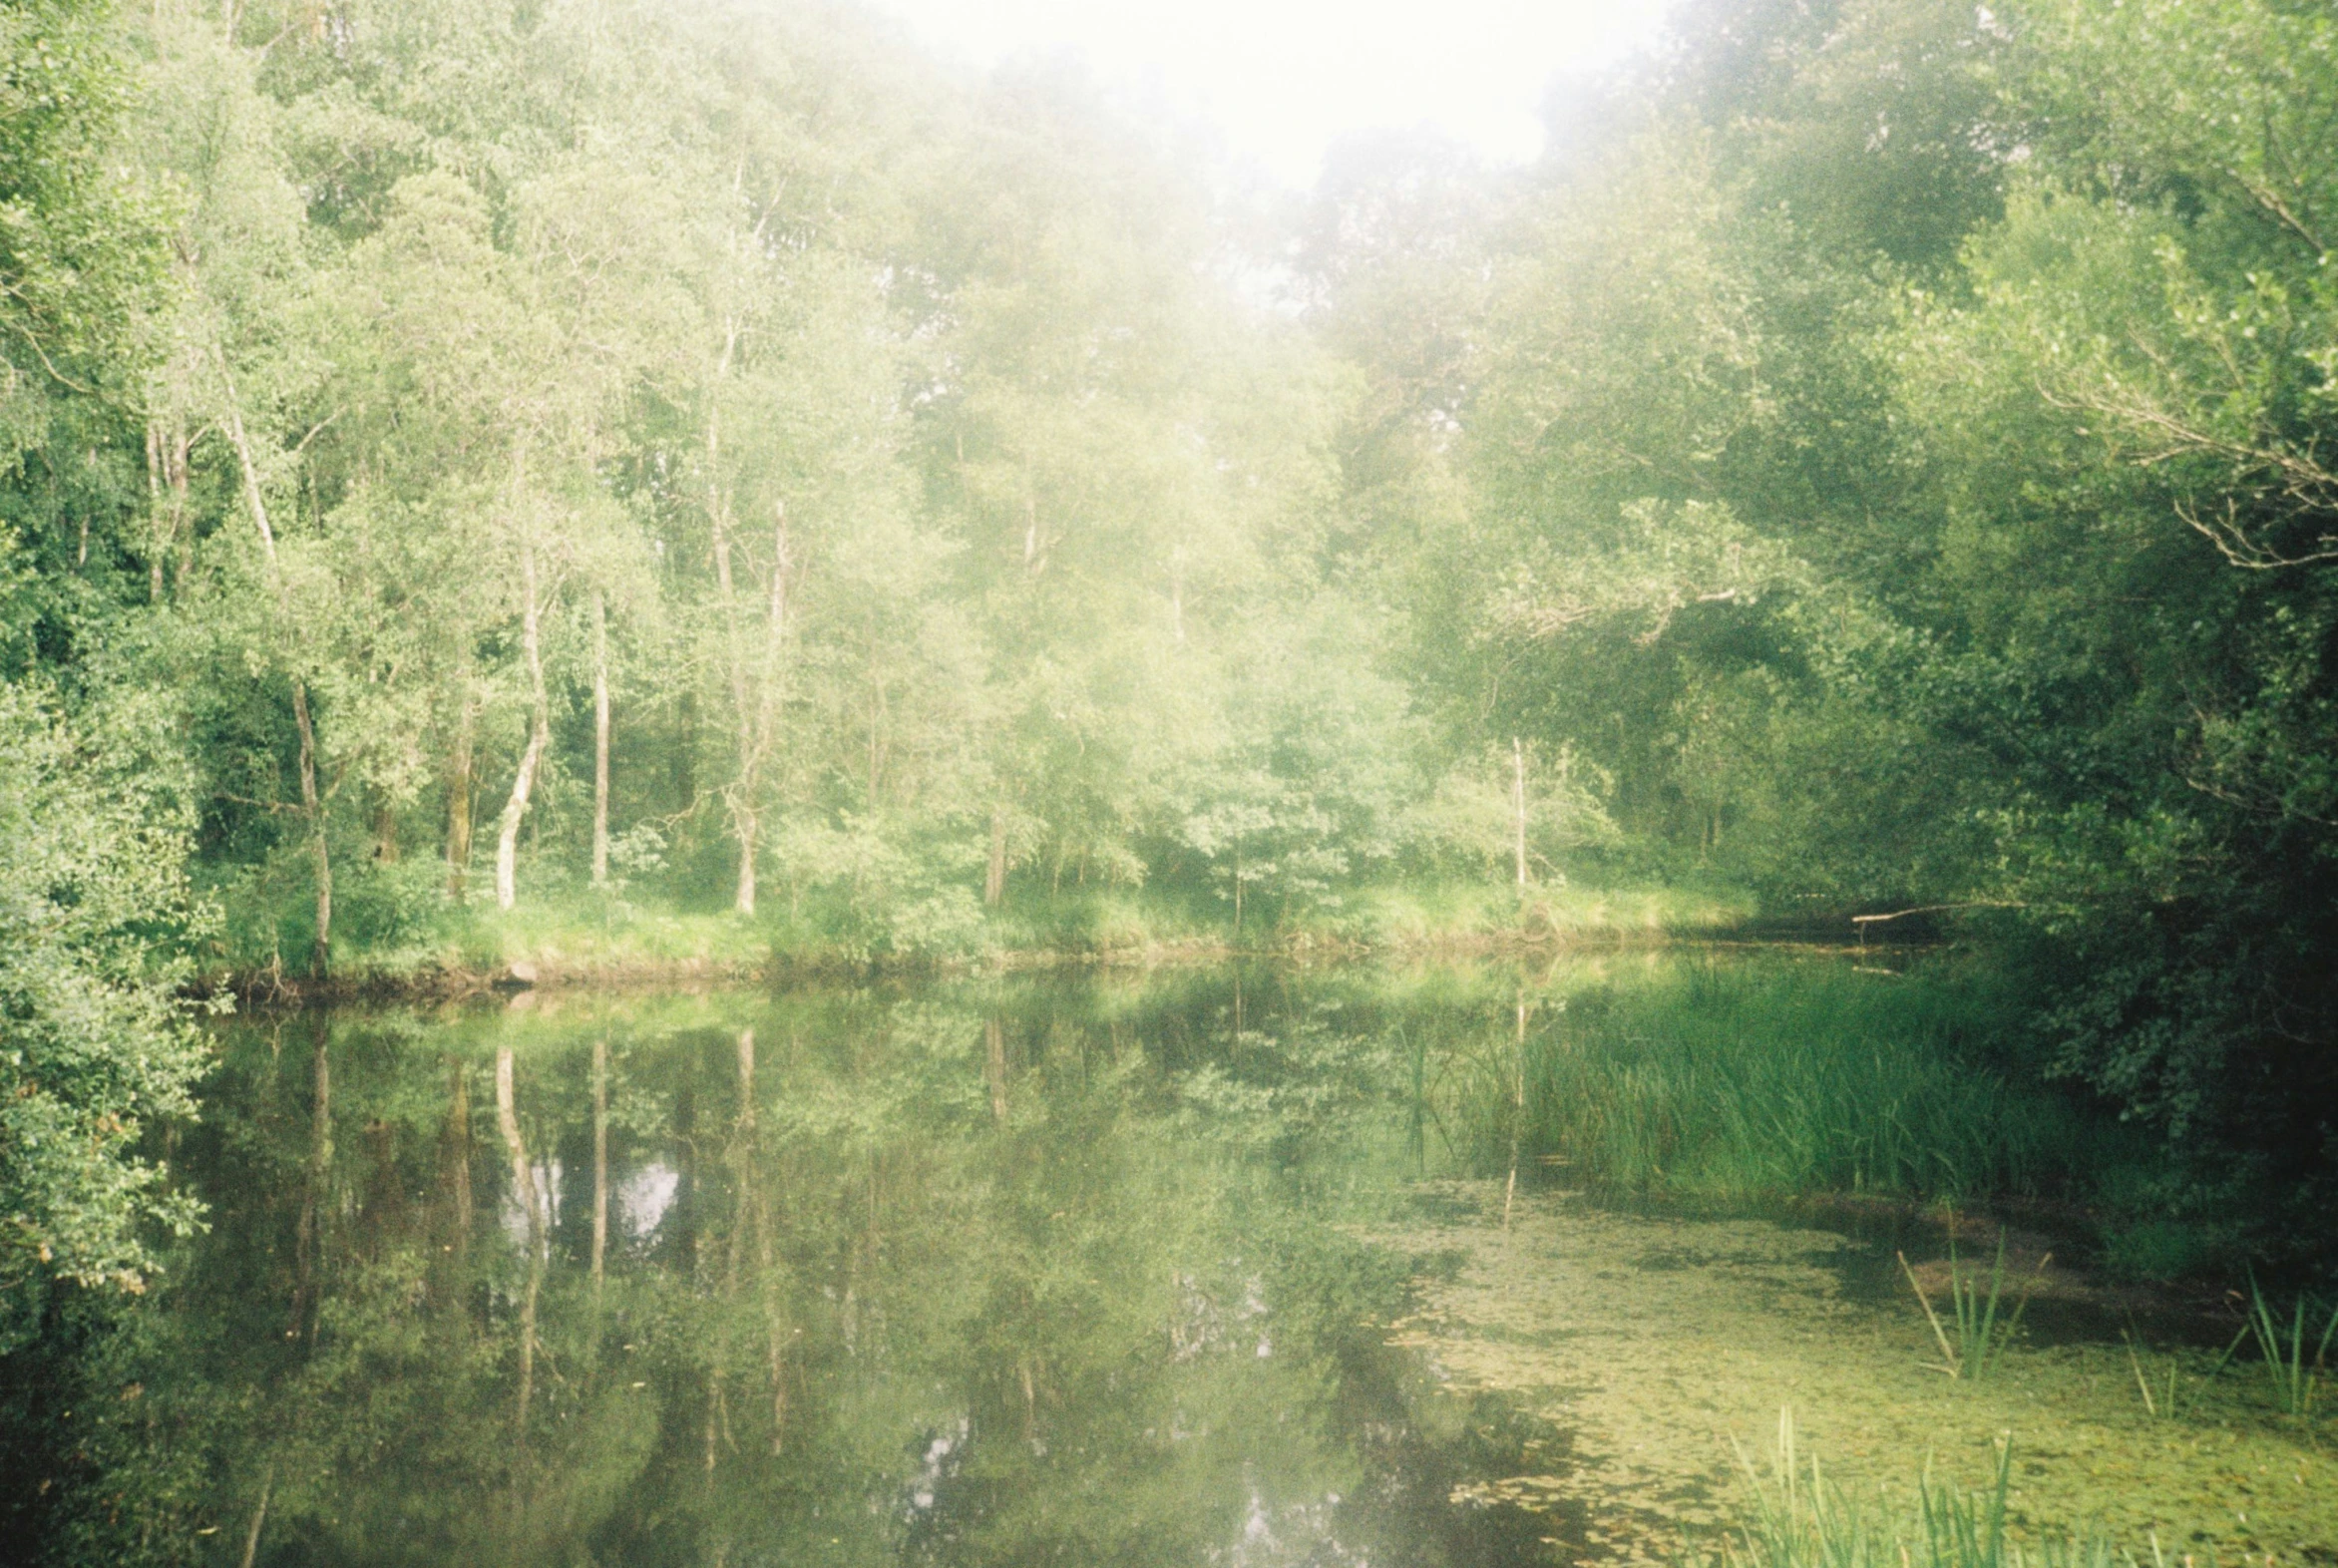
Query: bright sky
x,y
1280,79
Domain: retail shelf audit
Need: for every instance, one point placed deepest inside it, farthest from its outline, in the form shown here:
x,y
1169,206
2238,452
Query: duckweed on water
x,y
1796,1518
1647,1346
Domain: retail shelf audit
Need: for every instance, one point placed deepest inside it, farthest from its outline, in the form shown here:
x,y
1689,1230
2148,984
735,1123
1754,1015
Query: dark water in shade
x,y
999,1273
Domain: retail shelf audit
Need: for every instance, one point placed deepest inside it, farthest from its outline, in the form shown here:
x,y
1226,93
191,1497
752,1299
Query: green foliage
x,y
1893,458
77,254
2162,1249
94,1045
765,496
96,807
644,462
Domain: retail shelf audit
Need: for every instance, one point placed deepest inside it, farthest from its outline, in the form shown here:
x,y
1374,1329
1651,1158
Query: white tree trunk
x,y
507,846
522,1188
600,1160
600,741
994,876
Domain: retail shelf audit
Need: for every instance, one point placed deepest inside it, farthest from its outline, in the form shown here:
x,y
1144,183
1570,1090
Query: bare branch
x,y
2237,549
1935,908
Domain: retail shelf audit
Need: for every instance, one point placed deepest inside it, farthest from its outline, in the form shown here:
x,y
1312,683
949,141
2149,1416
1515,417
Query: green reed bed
x,y
1733,1080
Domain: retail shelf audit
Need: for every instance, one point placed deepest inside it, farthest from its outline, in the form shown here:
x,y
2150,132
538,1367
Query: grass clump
x,y
2292,1372
1982,1336
2160,1402
1796,1520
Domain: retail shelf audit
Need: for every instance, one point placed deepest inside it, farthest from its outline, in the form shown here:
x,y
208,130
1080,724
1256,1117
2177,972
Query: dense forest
x,y
602,458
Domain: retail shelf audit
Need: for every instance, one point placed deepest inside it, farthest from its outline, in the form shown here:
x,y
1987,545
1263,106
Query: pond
x,y
1241,1266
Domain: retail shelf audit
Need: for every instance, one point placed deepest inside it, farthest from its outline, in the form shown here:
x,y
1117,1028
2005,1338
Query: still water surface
x,y
1054,1272
1206,1267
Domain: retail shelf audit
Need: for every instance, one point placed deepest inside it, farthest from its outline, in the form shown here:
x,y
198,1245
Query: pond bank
x,y
606,941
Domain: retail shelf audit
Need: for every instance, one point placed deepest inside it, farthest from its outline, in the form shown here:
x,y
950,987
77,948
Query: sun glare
x,y
1279,80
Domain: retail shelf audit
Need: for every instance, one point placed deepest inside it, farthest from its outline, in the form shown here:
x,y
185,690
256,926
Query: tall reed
x,y
2159,1402
2291,1372
1983,1331
1783,1079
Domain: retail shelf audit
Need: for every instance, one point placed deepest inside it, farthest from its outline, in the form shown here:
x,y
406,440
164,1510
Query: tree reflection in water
x,y
982,1272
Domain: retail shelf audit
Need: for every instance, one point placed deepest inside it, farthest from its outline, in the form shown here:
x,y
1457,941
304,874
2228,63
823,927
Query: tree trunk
x,y
259,1516
681,770
739,798
600,741
305,1236
755,1216
319,956
166,504
744,899
459,790
994,1066
507,846
507,1120
1518,803
524,1188
156,518
181,533
754,675
994,879
455,1156
746,1117
600,1158
1517,1111
758,733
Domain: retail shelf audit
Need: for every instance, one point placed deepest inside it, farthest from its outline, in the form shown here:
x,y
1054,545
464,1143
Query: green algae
x,y
1648,1347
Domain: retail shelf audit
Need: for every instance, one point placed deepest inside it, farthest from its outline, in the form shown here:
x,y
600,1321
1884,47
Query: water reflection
x,y
1089,1270
972,1274
647,1195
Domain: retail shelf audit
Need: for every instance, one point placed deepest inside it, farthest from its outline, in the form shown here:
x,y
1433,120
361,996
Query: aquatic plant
x,y
2163,1405
1981,1339
1798,1522
2292,1373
